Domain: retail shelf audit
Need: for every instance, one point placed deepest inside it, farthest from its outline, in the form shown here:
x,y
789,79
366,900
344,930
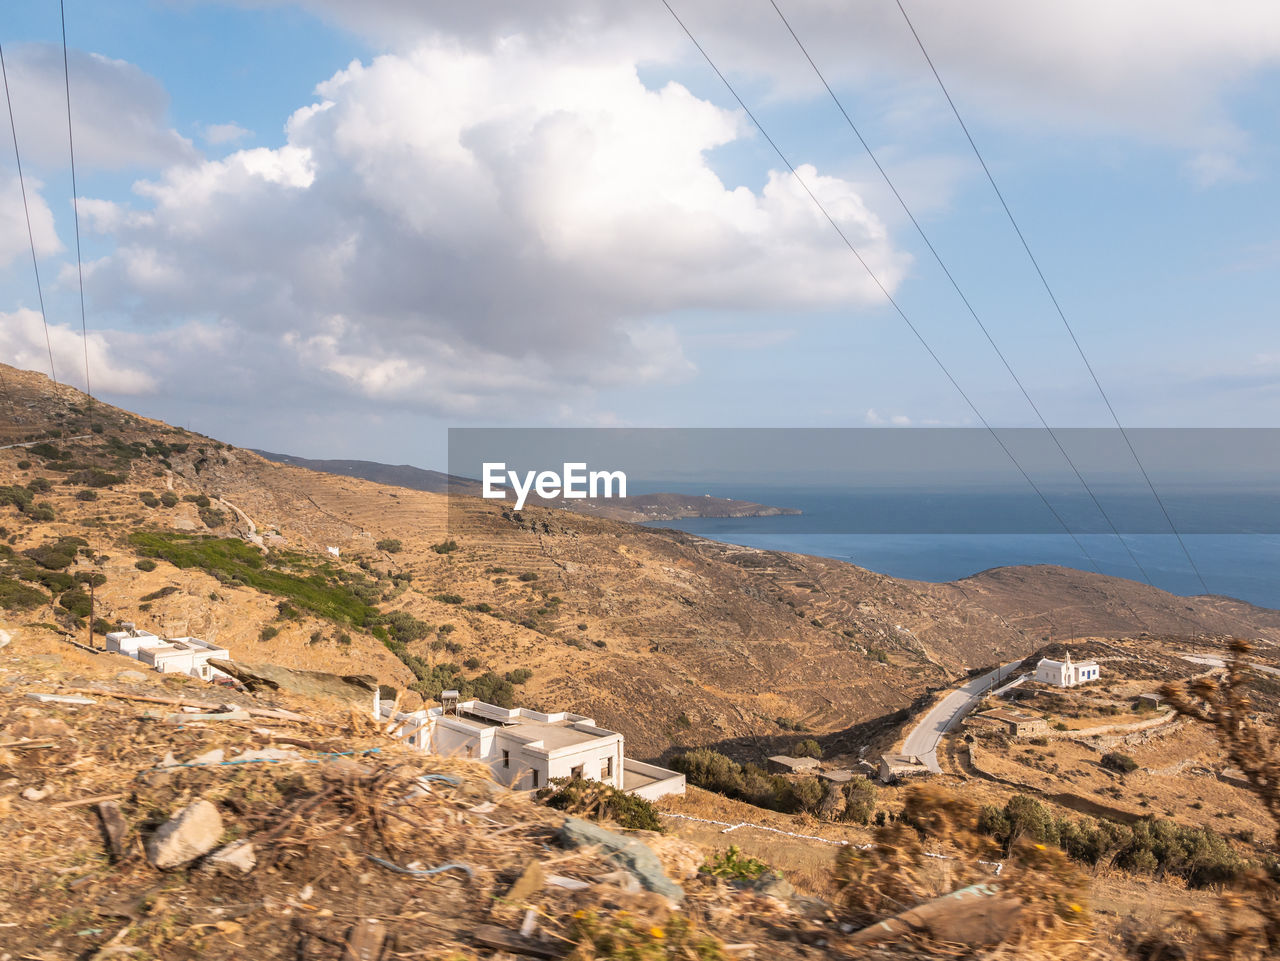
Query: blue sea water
x,y
1233,537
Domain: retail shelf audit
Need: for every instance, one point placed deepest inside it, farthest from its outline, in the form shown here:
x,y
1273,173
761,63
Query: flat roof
x,y
553,736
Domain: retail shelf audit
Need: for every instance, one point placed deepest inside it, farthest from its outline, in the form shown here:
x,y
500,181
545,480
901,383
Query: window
x,y
576,773
470,751
606,769
506,759
535,778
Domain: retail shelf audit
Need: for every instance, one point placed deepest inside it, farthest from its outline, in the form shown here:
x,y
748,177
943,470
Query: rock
x,y
209,757
630,854
36,794
5,638
680,859
39,727
238,857
529,883
134,677
189,834
977,915
774,885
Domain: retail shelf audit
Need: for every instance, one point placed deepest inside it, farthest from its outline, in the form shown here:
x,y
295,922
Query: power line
x,y
75,207
884,290
1052,297
22,185
964,299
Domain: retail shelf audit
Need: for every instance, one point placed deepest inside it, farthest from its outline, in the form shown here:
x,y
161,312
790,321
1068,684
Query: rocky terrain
x,y
678,642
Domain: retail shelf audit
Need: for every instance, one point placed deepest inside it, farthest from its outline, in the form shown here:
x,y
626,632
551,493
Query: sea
x,y
1230,536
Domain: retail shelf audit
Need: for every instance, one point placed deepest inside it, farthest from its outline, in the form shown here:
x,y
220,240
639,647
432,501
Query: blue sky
x,y
558,216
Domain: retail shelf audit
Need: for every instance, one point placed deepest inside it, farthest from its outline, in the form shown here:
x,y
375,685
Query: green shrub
x,y
391,545
149,499
733,865
1115,761
520,675
445,547
55,555
24,465
212,517
234,561
40,485
472,663
268,632
169,499
156,595
528,576
449,598
93,477
77,602
87,495
807,748
404,627
93,578
146,564
860,799
600,801
15,596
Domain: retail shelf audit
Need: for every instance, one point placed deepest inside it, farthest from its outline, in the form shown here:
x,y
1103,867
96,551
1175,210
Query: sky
x,y
335,230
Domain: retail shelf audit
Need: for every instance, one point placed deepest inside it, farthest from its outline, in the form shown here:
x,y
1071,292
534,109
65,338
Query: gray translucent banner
x,y
887,480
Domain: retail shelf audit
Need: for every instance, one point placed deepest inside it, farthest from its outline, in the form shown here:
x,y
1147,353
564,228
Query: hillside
x,y
670,638
676,641
637,508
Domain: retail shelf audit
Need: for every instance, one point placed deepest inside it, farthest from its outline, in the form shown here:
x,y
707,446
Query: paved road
x,y
1219,662
946,714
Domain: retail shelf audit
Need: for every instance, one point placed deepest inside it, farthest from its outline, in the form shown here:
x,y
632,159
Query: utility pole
x,y
91,610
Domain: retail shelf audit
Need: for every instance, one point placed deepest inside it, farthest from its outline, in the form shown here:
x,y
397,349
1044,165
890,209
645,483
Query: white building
x,y
1066,673
168,655
527,749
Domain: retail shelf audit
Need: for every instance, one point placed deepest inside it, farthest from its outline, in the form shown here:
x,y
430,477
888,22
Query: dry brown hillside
x,y
670,638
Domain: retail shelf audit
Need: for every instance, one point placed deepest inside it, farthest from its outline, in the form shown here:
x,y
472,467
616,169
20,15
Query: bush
x,y
807,748
1115,761
93,477
527,577
87,495
19,597
156,595
40,485
77,602
598,800
149,499
93,578
445,547
520,675
268,632
472,663
860,800
449,598
212,517
404,627
169,499
391,545
24,465
56,555
146,564
733,865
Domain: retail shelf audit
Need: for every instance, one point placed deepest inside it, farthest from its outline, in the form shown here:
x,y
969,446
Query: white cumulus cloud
x,y
447,228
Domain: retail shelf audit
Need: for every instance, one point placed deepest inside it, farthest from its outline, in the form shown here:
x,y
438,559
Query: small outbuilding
x,y
1152,701
840,775
1015,723
785,764
897,767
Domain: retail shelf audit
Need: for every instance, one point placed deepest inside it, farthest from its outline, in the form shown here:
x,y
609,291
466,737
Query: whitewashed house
x,y
528,749
169,655
1066,673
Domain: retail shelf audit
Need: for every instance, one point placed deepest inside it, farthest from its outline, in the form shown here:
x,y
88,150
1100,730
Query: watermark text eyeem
x,y
574,482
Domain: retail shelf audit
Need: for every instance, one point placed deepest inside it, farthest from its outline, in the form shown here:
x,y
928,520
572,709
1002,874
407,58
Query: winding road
x,y
946,714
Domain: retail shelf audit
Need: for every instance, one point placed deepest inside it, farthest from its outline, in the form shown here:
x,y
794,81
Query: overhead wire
x,y
883,290
26,209
963,297
1057,306
75,207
